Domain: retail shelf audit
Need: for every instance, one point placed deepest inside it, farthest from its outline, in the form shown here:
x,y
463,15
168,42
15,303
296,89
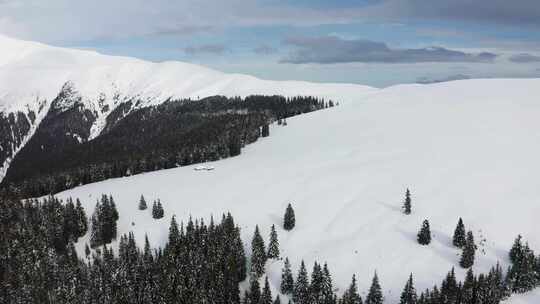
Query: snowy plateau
x,y
467,148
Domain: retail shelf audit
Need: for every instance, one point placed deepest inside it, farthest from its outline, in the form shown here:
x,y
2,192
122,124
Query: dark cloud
x,y
206,49
330,49
524,58
264,50
428,80
504,12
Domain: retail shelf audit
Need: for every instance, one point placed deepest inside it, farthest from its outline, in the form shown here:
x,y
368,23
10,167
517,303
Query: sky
x,y
373,42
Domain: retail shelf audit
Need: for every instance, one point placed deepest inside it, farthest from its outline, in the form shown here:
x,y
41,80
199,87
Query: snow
x,y
465,149
528,298
32,71
28,68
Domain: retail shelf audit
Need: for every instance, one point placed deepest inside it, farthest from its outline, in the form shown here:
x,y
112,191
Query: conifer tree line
x,y
200,263
103,222
175,133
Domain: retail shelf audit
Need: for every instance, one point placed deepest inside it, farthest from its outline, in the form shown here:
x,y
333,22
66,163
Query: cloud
x,y
503,12
264,50
329,49
76,20
215,49
524,58
428,80
182,30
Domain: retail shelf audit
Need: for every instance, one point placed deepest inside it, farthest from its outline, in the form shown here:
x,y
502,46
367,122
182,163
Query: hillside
x,y
33,75
465,149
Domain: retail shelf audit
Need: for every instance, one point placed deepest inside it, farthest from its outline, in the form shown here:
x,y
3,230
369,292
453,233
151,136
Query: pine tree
x,y
273,245
497,286
265,131
351,296
161,212
424,235
266,297
82,221
408,296
254,291
468,287
328,290
142,203
258,254
147,253
277,300
449,288
289,220
317,285
522,276
157,210
407,203
287,281
375,295
516,252
301,287
467,256
174,235
459,235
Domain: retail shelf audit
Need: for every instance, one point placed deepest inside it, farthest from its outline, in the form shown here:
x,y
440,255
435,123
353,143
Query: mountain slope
x,y
466,149
33,75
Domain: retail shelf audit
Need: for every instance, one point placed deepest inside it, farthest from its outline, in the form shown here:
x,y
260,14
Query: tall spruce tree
x,y
277,300
265,132
522,275
459,238
258,254
142,203
351,295
317,284
301,287
161,212
467,289
266,297
516,252
289,220
273,245
375,295
424,235
82,221
254,291
407,207
287,281
467,256
157,210
328,290
408,296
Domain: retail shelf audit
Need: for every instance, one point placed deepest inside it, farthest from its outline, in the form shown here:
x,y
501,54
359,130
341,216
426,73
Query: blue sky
x,y
374,42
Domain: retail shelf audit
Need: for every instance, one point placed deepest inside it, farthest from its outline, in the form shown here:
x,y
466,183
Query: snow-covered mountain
x,y
32,75
466,149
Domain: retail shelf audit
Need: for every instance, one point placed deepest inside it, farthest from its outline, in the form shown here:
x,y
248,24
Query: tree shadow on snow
x,y
439,247
393,207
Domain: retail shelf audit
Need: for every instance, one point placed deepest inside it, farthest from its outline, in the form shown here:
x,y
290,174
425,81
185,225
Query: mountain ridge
x,y
33,74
